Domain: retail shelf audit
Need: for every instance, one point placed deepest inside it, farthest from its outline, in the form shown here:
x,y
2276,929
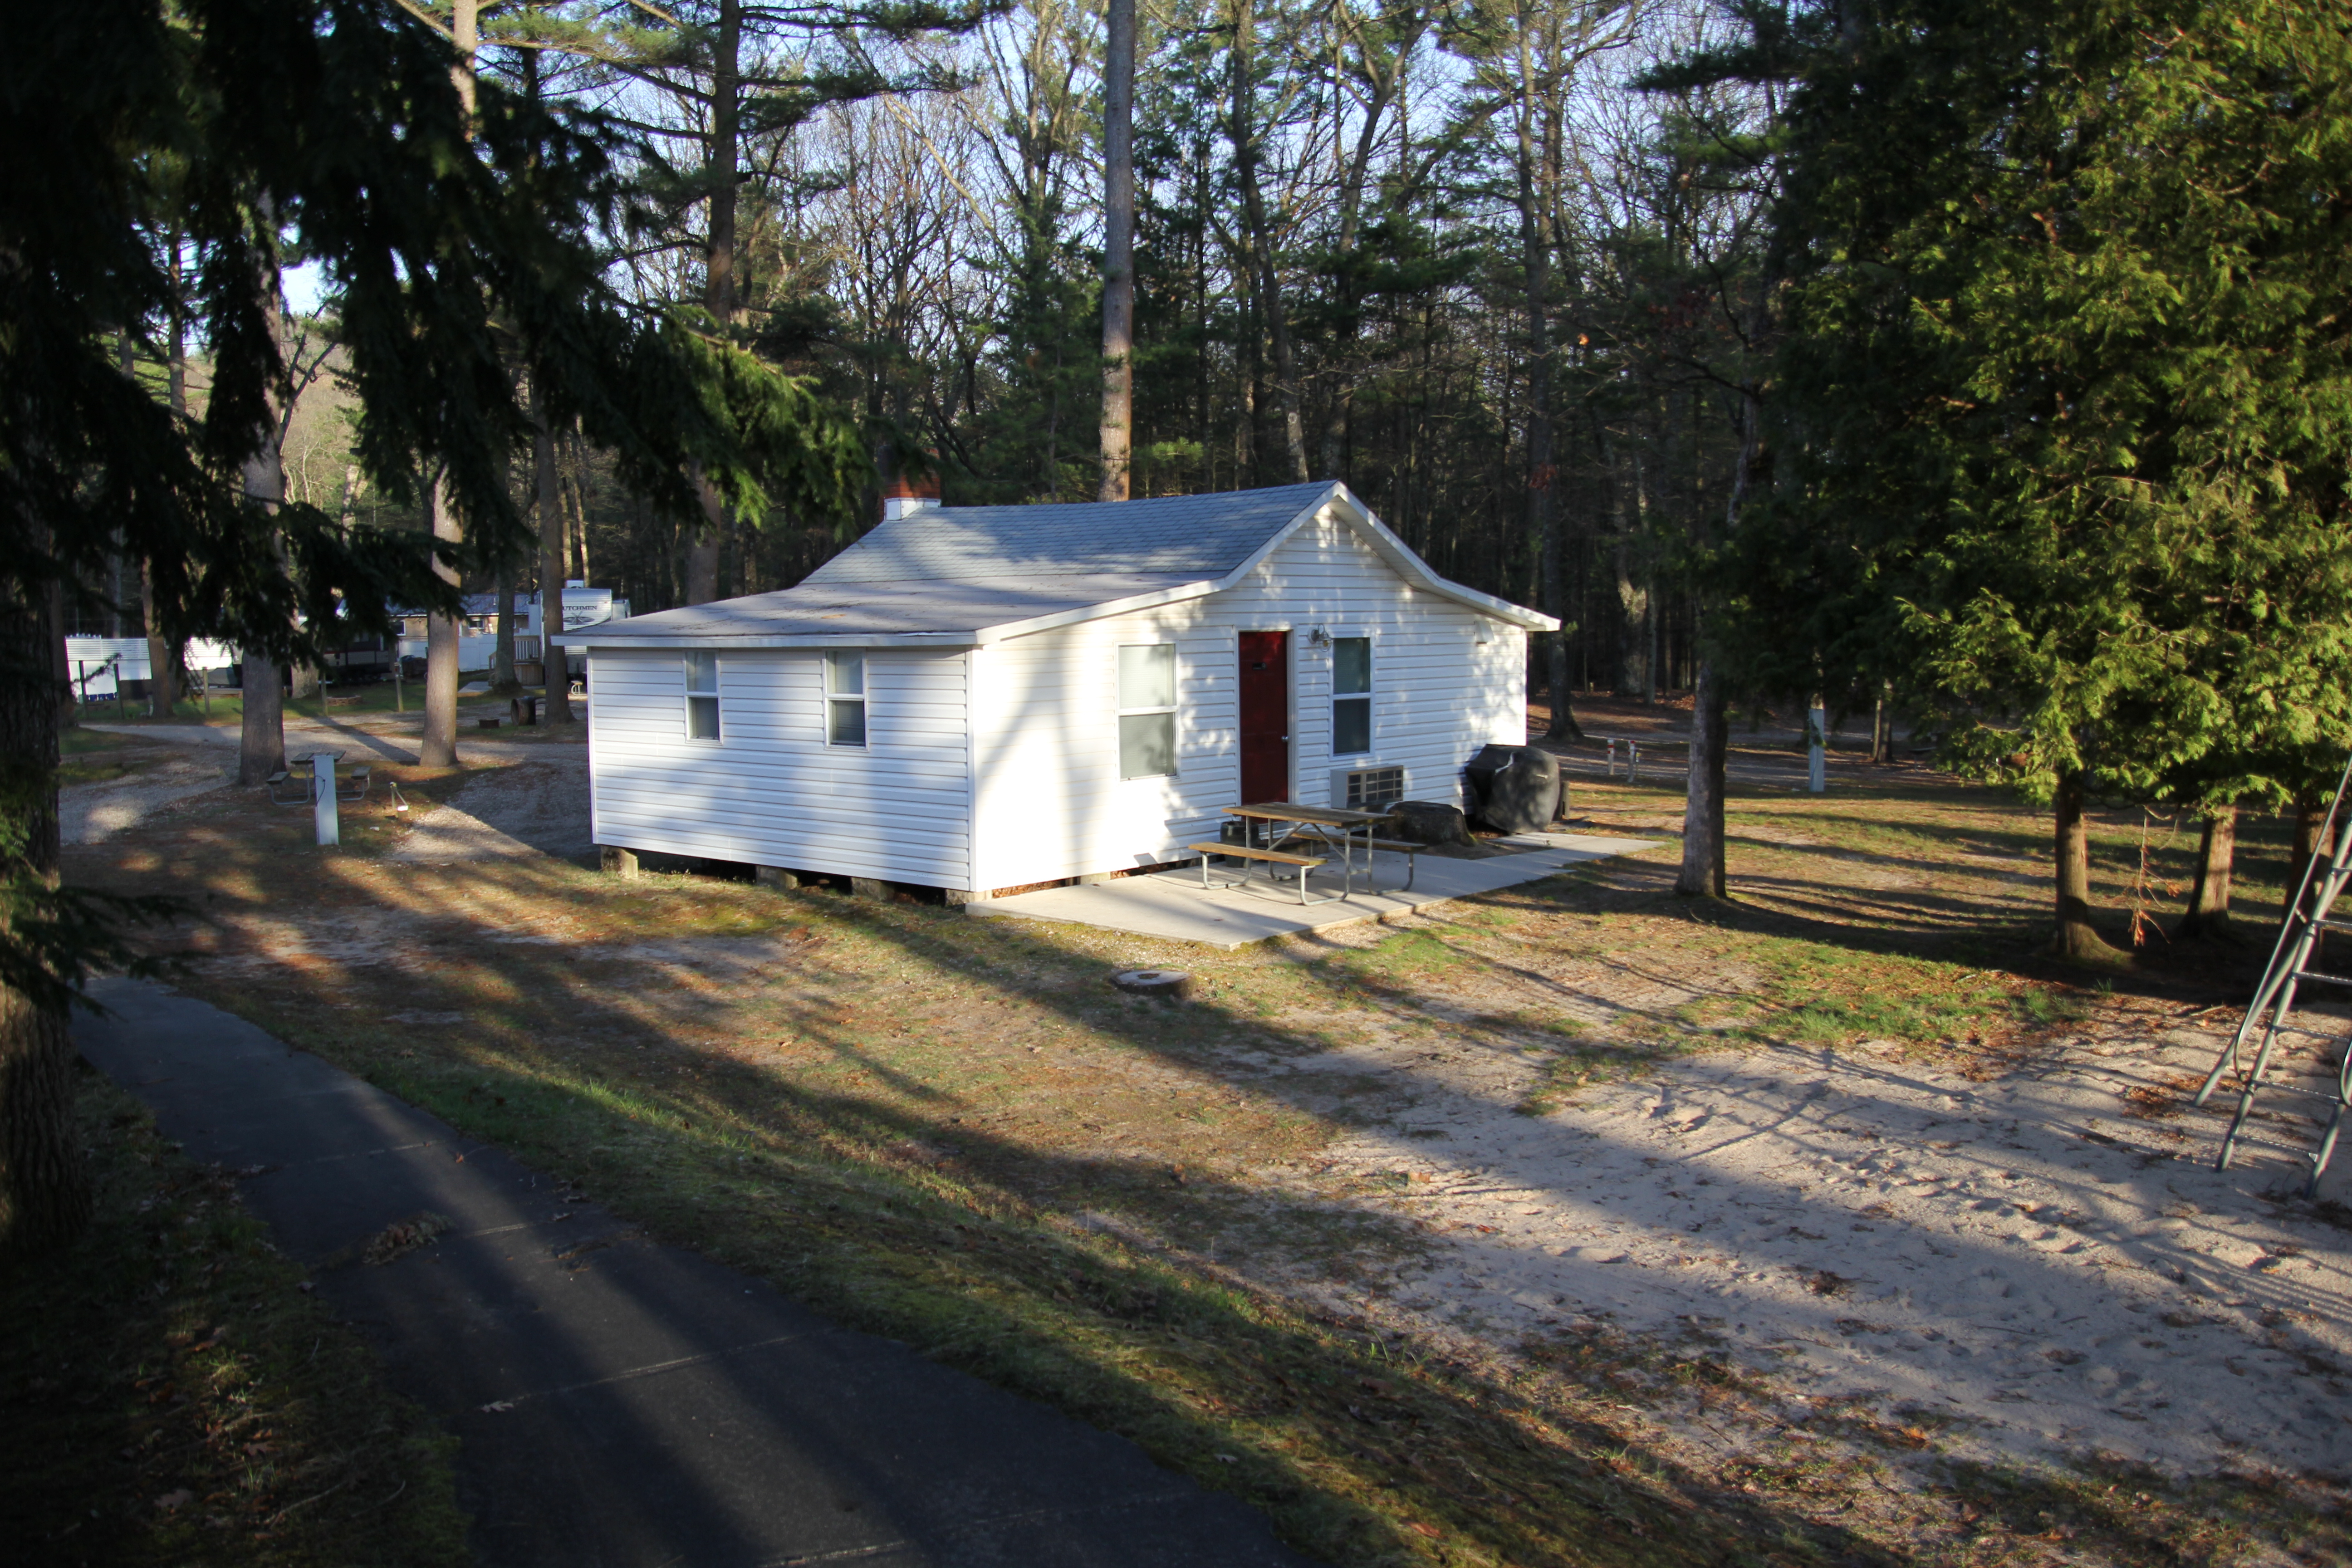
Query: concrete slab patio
x,y
1173,905
622,1404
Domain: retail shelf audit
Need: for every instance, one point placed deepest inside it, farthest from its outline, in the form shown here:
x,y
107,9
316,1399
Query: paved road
x,y
625,1405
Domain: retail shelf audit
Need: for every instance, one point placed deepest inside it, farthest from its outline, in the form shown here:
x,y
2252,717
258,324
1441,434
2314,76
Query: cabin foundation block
x,y
868,887
1093,878
619,862
775,876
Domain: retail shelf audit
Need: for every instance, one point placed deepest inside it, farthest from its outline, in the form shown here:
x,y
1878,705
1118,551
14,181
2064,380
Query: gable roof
x,y
961,576
1202,537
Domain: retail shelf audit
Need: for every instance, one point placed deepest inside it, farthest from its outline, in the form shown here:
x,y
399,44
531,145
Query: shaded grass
x,y
370,700
905,1224
173,1396
953,1133
93,756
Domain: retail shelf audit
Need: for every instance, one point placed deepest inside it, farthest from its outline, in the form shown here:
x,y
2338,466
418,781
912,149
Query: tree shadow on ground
x,y
1045,1270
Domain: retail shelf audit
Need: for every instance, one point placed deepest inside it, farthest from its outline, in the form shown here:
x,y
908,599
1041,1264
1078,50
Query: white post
x,y
1817,761
322,799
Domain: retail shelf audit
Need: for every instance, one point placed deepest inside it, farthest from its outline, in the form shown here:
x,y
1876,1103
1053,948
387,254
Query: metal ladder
x,y
2308,918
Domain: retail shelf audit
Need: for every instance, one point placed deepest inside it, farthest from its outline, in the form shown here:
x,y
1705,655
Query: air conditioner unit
x,y
1367,789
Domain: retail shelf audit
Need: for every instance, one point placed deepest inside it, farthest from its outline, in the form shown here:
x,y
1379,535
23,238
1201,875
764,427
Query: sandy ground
x,y
93,813
539,806
2031,1259
535,807
2010,1257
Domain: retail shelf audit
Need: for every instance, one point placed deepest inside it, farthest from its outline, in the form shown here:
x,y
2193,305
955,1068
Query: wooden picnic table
x,y
1336,826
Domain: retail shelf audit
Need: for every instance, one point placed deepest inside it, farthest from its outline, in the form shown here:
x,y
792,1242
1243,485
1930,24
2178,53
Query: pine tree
x,y
2063,411
335,125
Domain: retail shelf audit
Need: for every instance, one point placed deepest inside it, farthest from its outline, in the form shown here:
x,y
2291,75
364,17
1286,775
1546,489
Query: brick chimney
x,y
902,495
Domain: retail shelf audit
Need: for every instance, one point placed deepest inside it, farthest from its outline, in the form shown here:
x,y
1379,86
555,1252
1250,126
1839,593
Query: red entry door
x,y
1266,716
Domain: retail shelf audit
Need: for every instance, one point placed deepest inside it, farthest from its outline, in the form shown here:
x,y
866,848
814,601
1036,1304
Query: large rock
x,y
1516,789
1427,822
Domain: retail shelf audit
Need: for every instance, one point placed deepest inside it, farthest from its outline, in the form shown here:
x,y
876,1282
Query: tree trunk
x,y
548,507
1347,328
261,736
576,499
2208,896
502,657
1243,131
1543,511
45,1191
2075,938
2310,840
163,654
702,550
1632,682
1556,682
1118,252
439,747
720,152
1703,868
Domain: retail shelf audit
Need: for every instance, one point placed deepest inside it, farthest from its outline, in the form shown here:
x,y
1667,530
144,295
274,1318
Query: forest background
x,y
1453,255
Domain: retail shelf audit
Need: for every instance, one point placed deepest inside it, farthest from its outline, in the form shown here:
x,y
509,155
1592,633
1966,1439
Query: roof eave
x,y
723,641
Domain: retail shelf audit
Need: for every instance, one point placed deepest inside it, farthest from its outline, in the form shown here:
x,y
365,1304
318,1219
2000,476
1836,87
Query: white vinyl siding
x,y
777,795
1051,802
1000,766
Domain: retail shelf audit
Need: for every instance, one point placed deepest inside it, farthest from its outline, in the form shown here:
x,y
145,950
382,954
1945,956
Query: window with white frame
x,y
1352,696
845,698
702,697
1147,710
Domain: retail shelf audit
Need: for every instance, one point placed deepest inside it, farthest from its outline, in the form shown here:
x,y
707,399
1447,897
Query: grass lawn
x,y
373,700
954,1132
172,1395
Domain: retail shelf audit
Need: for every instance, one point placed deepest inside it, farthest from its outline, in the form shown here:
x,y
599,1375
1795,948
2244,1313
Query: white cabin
x,y
983,698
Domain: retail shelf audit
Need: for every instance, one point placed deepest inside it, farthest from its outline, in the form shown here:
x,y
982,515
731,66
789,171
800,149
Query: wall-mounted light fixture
x,y
1318,638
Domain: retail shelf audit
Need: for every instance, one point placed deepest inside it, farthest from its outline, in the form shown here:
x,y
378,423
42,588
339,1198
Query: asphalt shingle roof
x,y
950,573
1197,536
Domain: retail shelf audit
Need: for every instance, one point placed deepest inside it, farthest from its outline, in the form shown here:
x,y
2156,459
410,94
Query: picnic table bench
x,y
1338,827
1269,858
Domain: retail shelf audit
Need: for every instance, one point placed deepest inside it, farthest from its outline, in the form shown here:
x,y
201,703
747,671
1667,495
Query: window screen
x,y
845,699
702,697
1352,696
1147,710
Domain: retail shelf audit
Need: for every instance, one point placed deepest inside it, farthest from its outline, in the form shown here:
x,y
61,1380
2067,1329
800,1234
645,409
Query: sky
x,y
305,286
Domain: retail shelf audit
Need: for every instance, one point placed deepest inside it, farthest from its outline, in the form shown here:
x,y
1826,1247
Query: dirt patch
x,y
535,807
153,780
